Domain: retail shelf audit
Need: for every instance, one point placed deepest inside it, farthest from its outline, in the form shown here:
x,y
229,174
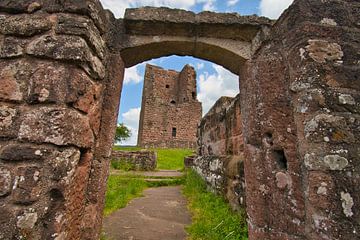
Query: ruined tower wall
x,y
169,101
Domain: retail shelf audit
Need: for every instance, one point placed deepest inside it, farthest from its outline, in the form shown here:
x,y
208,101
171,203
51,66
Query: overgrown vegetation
x,y
212,217
121,165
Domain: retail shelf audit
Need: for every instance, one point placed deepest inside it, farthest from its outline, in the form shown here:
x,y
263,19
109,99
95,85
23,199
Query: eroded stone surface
x,y
5,181
60,126
67,48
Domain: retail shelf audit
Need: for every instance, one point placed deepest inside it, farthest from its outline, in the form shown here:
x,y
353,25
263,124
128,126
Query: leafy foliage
x,y
122,133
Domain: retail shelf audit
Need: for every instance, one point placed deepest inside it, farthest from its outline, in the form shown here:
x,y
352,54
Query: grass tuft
x,y
213,218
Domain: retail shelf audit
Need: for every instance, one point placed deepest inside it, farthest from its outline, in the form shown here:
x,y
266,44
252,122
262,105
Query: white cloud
x,y
232,2
273,8
200,66
132,75
118,7
212,87
131,120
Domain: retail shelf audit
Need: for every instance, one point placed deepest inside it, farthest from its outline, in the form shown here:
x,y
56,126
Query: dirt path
x,y
160,215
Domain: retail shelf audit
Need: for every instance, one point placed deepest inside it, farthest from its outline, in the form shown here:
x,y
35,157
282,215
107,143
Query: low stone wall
x,y
224,175
170,144
139,160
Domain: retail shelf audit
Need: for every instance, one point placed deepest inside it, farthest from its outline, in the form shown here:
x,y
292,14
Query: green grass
x,y
123,188
121,165
167,158
171,159
212,217
120,191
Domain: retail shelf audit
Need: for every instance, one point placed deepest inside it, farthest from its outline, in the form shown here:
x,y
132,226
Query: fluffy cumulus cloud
x,y
132,75
131,120
273,8
213,86
118,6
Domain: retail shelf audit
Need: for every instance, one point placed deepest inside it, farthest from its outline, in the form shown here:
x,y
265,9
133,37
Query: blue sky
x,y
213,81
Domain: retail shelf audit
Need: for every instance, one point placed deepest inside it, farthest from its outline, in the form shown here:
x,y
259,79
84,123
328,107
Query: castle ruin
x,y
170,111
61,72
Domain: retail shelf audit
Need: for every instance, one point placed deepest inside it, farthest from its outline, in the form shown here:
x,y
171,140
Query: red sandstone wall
x,y
158,115
220,130
300,105
55,96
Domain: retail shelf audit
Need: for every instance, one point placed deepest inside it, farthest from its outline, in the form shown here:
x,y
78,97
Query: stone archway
x,y
62,65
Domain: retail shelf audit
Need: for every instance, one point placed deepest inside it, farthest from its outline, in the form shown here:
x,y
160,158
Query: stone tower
x,y
170,111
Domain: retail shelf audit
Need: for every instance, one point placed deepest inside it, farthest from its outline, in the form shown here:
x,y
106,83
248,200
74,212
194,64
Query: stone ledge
x,y
176,22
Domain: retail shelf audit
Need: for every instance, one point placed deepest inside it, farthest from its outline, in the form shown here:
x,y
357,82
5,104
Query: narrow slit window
x,y
193,95
174,132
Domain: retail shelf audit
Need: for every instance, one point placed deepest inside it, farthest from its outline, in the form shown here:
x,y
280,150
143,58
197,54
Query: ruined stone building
x,y
61,72
170,111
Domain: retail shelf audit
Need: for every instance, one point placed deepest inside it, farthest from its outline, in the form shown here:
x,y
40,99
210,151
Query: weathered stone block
x,y
24,25
27,189
11,47
51,82
91,8
71,48
83,27
62,164
60,126
7,222
13,80
23,152
5,181
9,117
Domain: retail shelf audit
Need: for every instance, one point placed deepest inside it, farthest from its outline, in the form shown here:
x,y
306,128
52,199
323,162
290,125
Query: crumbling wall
x,y
220,146
300,105
53,61
219,132
169,104
137,160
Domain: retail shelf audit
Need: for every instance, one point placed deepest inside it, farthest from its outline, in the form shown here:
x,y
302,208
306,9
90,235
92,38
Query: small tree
x,y
122,133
